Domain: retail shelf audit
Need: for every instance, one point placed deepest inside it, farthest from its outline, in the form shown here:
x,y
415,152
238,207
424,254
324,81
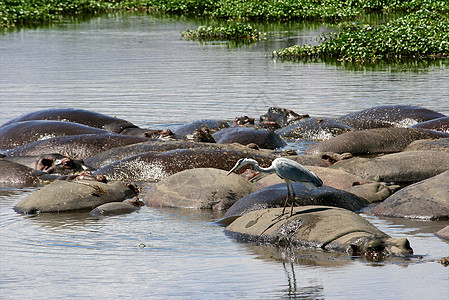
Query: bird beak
x,y
232,170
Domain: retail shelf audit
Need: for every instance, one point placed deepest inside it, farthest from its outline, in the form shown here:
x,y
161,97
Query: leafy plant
x,y
232,31
422,34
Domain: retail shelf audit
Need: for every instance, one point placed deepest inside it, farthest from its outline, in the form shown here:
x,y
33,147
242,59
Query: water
x,y
138,68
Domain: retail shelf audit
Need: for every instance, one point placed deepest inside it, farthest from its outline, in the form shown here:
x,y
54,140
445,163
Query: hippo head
x,y
377,249
56,163
277,117
243,120
202,135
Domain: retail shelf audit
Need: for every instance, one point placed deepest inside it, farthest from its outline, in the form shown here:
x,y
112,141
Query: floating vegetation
x,y
229,32
419,35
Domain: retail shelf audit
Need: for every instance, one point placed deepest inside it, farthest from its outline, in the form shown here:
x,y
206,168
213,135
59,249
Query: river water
x,y
138,67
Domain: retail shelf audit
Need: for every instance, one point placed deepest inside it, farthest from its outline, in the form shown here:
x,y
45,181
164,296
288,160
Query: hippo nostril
x,y
67,163
44,164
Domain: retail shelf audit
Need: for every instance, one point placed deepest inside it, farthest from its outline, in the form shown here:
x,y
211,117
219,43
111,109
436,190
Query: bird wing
x,y
294,171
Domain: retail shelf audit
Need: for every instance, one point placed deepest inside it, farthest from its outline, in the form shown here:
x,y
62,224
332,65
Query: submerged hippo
x,y
331,177
374,191
60,196
401,168
429,145
78,146
50,163
427,199
318,227
443,233
388,116
203,188
118,153
374,141
154,166
81,116
117,208
319,160
13,174
263,138
21,133
277,117
440,124
275,195
313,128
187,131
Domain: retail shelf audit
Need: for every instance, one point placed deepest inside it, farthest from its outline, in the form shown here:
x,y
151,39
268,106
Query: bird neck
x,y
270,169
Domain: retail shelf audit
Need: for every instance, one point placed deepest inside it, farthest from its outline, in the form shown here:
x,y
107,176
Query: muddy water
x,y
138,68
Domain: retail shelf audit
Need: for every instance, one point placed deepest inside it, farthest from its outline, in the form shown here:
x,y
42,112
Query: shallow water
x,y
138,68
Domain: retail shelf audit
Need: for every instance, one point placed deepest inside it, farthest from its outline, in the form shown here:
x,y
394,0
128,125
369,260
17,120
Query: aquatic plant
x,y
422,34
233,31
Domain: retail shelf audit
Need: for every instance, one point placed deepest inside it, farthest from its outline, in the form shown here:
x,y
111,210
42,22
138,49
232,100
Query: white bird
x,y
287,169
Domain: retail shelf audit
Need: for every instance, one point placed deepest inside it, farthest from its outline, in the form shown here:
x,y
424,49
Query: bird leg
x,y
286,200
293,199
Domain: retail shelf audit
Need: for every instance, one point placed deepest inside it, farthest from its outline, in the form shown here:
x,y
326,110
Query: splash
x,y
404,123
139,170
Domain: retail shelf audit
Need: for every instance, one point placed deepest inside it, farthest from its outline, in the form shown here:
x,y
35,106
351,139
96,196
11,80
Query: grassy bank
x,y
18,12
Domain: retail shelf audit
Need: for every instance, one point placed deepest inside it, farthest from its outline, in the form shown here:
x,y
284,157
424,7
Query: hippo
x,y
50,163
388,116
186,131
247,135
429,144
331,177
427,199
313,128
443,233
374,191
85,117
21,133
400,168
374,141
243,121
275,195
61,196
13,174
320,160
440,124
277,117
318,227
117,208
202,188
118,153
77,146
154,166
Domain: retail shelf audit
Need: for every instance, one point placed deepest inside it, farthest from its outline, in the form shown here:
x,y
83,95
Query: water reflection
x,y
300,292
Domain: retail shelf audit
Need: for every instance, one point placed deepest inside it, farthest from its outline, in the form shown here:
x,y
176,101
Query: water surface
x,y
138,68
